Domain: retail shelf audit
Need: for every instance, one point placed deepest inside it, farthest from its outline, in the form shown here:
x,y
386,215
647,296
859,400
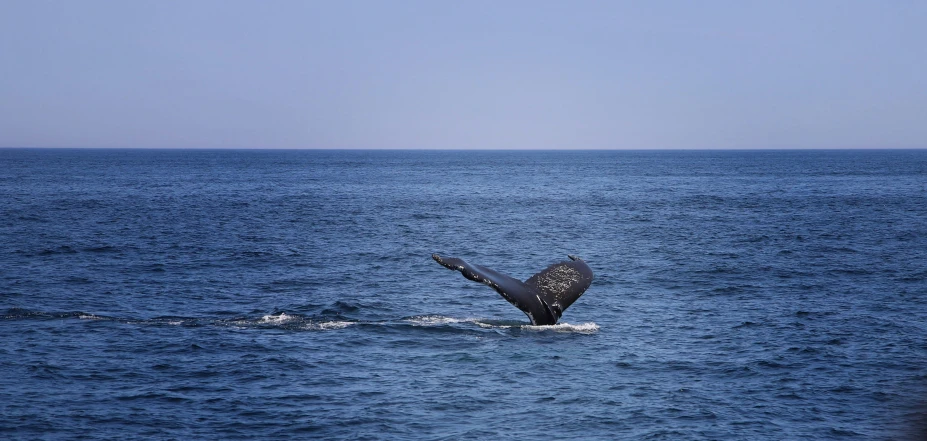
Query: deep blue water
x,y
277,294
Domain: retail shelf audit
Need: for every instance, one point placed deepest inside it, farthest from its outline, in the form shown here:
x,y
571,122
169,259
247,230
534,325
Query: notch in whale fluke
x,y
543,297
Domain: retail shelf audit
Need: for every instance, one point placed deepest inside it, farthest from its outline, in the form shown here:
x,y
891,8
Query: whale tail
x,y
543,297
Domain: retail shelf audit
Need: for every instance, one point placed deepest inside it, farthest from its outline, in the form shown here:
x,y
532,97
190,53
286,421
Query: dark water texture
x,y
273,294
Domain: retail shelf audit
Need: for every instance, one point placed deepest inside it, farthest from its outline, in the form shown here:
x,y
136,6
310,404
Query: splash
x,y
580,328
438,320
278,319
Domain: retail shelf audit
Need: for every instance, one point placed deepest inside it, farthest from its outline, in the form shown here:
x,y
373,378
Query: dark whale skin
x,y
543,297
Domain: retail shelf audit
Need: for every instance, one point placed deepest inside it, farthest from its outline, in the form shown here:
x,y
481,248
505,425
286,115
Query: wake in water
x,y
437,320
297,321
302,322
283,320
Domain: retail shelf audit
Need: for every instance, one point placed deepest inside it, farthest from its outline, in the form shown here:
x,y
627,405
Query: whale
x,y
543,297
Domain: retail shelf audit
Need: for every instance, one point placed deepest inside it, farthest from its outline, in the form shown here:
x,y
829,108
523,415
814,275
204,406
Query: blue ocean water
x,y
291,294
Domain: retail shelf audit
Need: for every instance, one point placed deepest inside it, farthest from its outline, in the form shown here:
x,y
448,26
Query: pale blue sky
x,y
463,74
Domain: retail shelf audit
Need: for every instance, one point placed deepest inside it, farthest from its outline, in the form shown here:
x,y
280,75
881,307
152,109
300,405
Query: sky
x,y
500,74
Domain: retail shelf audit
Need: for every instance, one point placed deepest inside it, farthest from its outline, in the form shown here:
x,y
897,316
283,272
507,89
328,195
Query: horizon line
x,y
420,149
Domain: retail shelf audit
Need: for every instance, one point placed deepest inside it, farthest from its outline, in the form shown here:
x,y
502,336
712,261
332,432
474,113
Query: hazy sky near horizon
x,y
473,74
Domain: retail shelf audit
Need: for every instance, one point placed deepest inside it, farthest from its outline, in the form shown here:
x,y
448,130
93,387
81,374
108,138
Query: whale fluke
x,y
543,297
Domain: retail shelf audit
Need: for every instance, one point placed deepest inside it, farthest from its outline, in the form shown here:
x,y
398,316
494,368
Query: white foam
x,y
432,320
498,324
89,317
277,319
436,320
238,324
329,325
581,328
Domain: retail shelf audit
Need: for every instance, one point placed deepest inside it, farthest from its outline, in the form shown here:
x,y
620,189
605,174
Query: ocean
x,y
249,294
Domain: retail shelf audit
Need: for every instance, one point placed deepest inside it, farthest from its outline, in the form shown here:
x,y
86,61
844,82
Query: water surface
x,y
259,294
